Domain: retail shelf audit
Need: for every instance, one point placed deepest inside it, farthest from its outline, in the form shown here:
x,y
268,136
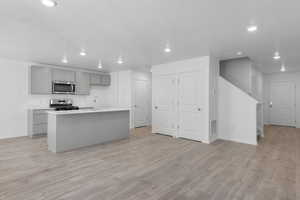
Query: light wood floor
x,y
150,167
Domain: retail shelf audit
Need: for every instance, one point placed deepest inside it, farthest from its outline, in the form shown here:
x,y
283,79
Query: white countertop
x,y
85,111
52,109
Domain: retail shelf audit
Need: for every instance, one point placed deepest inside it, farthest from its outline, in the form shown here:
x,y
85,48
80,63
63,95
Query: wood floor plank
x,y
154,167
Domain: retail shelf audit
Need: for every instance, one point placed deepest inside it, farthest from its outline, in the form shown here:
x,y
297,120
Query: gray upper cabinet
x,y
63,75
105,80
82,83
100,79
40,80
95,79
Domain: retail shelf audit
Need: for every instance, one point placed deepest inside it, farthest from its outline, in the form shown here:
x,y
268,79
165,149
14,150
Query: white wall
x,y
236,114
15,98
256,84
278,77
237,71
242,73
123,89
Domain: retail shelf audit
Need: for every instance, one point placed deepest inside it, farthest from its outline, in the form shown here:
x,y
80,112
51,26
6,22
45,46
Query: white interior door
x,y
164,116
282,104
142,103
190,100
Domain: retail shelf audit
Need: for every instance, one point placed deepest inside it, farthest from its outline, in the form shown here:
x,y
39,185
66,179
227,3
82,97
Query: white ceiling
x,y
139,29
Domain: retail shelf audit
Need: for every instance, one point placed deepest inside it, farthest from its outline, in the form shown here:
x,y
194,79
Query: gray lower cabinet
x,y
100,79
37,122
63,75
40,80
82,83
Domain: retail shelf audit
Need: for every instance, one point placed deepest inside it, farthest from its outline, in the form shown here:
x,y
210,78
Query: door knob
x,y
199,109
155,107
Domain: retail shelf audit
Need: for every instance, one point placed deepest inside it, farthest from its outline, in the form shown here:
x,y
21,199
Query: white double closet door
x,y
191,92
178,105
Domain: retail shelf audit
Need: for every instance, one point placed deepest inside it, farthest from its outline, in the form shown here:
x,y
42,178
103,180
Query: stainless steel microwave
x,y
63,87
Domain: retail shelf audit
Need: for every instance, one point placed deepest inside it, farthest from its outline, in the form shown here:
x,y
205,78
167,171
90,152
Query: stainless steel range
x,y
62,104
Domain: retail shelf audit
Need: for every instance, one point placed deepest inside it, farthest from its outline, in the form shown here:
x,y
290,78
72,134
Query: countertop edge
x,y
53,109
74,112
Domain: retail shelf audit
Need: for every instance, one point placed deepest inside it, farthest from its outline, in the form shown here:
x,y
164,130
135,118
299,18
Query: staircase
x,y
240,105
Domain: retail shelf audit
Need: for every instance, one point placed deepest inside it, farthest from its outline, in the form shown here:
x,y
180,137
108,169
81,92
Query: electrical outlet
x,y
95,99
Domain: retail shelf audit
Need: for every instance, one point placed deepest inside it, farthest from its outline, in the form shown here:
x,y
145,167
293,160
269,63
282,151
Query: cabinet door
x,y
82,83
39,129
164,114
63,75
105,79
95,79
100,79
40,80
191,97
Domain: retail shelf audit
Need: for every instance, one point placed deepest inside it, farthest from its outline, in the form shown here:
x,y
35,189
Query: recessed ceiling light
x,y
239,53
82,52
282,69
64,60
167,49
49,3
252,28
120,61
276,56
100,64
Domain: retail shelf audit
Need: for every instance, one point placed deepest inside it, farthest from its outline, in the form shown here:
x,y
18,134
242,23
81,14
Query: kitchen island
x,y
73,129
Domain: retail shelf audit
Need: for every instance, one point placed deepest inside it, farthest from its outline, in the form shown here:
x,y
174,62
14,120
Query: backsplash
x,y
99,97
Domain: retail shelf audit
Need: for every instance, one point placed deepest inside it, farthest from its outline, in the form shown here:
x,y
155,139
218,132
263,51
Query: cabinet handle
x,y
199,109
155,107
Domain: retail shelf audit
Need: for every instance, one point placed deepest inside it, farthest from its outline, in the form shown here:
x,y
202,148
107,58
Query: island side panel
x,y
85,129
51,132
